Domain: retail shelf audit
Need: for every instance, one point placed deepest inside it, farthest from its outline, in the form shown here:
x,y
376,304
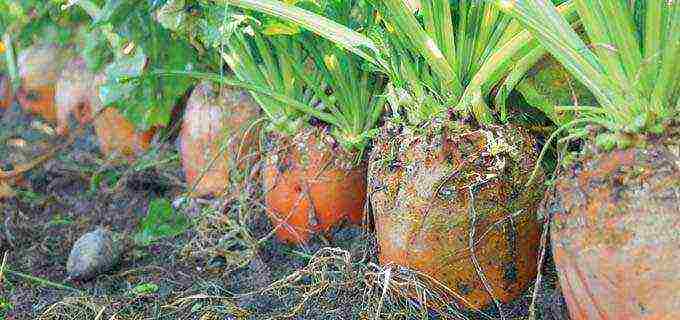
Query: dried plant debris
x,y
222,242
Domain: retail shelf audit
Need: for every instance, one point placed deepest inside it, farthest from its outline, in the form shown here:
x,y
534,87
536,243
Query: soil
x,y
227,265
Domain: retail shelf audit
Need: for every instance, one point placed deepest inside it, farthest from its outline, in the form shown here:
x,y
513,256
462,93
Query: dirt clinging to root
x,y
616,231
433,192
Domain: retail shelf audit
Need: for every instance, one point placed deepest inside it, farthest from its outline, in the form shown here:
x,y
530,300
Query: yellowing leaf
x,y
278,28
6,192
331,62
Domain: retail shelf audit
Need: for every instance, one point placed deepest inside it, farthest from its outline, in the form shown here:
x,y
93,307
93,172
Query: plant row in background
x,y
430,111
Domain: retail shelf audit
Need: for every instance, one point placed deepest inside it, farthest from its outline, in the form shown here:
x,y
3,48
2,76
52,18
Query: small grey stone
x,y
94,253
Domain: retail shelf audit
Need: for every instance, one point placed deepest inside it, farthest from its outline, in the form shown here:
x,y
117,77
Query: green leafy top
x,y
259,58
630,65
451,55
351,90
437,54
31,20
321,80
140,44
161,221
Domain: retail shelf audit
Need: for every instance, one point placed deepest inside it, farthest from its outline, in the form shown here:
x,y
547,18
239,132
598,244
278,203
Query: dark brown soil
x,y
226,266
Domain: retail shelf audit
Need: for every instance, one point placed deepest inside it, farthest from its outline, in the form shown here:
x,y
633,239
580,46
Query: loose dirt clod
x,y
94,253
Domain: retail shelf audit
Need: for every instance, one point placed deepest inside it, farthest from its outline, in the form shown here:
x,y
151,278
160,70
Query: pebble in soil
x,y
94,253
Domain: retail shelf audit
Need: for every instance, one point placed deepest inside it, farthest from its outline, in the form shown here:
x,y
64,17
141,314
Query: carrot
x,y
433,190
77,95
75,90
311,186
616,203
6,93
432,193
118,137
215,117
39,68
615,232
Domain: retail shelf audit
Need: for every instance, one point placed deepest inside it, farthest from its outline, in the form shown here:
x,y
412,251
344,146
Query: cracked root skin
x,y
214,117
425,190
616,232
312,185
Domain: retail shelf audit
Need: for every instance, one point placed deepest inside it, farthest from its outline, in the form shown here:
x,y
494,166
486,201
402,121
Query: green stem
x,y
580,108
41,281
11,61
107,29
426,46
324,116
553,136
514,77
331,30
